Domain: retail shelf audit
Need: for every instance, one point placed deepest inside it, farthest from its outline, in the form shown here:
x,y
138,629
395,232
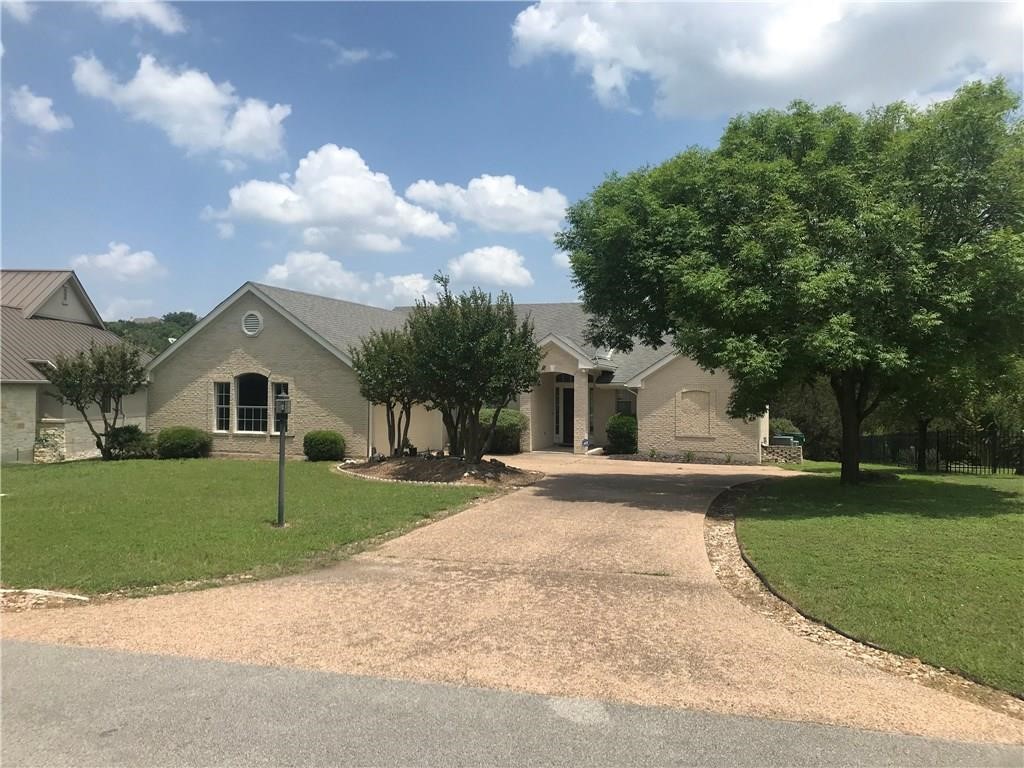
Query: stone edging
x,y
744,582
350,473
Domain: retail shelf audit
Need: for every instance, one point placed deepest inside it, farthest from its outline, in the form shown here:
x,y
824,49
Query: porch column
x,y
580,411
526,408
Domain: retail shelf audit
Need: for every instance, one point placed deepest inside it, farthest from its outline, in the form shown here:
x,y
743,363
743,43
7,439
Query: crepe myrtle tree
x,y
470,351
96,382
383,365
818,243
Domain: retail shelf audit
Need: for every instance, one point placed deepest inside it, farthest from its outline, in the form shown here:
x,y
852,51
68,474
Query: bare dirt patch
x,y
745,585
420,469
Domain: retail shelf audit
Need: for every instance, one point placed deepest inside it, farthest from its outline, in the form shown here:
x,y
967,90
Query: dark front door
x,y
567,420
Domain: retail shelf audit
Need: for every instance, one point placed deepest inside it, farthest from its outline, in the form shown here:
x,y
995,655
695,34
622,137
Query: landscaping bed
x,y
131,527
421,469
926,566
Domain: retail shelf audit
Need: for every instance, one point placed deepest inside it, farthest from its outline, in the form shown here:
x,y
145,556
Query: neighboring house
x,y
47,313
224,374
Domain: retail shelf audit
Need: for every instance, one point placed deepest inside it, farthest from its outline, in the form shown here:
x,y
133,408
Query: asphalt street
x,y
67,706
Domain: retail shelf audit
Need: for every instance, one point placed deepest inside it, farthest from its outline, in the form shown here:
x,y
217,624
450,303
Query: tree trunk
x,y
407,414
922,444
390,410
845,389
451,426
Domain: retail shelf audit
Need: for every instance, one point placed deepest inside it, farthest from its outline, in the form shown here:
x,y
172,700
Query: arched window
x,y
252,402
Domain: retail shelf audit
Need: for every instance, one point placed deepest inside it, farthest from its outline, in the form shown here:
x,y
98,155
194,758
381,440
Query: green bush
x,y
183,443
621,429
782,426
323,445
130,442
510,426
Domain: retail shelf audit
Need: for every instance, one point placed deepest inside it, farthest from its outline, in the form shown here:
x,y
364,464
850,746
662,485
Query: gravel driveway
x,y
594,583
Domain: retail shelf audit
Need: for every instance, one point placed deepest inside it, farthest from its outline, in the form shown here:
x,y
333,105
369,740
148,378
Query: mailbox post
x,y
282,407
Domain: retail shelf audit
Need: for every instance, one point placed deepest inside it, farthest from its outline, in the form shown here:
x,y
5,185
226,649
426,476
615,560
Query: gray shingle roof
x,y
344,323
38,338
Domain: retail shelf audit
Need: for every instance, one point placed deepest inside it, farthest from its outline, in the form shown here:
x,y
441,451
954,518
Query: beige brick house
x,y
224,374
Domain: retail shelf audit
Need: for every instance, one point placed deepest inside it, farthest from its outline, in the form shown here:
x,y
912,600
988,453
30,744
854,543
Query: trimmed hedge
x,y
510,426
621,429
323,445
130,442
183,443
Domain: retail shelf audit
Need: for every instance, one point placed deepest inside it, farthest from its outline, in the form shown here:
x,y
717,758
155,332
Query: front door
x,y
567,415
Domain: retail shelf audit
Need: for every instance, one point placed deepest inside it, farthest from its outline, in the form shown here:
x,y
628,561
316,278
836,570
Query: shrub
x,y
130,442
323,445
505,438
183,443
782,426
621,429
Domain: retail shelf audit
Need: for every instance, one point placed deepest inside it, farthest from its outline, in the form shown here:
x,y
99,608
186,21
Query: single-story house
x,y
44,314
224,374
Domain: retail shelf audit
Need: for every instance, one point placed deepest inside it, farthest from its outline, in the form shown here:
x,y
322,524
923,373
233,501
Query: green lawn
x,y
95,527
927,566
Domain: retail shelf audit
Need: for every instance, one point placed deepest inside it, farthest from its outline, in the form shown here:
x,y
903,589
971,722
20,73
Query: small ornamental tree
x,y
95,383
383,364
469,352
860,249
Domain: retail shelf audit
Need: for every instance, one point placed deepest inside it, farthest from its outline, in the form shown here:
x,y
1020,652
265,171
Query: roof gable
x,y
30,290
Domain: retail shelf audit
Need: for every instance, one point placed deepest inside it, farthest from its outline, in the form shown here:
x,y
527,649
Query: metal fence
x,y
961,451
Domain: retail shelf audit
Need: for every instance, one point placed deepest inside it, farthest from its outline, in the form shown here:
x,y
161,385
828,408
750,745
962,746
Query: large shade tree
x,y
470,351
818,243
95,382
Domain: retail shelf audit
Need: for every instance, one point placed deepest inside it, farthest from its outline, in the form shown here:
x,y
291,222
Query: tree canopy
x,y
865,249
96,382
470,351
384,366
154,336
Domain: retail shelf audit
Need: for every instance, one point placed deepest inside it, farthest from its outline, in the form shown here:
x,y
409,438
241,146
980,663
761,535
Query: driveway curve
x,y
593,583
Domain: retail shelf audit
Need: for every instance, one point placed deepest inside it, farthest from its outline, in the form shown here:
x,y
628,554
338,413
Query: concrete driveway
x,y
594,583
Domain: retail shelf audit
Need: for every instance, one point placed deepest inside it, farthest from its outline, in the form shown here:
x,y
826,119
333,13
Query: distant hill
x,y
154,333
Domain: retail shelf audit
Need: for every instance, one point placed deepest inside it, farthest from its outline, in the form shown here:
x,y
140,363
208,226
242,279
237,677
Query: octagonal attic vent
x,y
252,323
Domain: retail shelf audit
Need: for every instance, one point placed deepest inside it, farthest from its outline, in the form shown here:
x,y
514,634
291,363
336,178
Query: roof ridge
x,y
321,296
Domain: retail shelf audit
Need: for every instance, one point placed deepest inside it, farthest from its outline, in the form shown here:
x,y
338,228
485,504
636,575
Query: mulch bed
x,y
736,576
421,469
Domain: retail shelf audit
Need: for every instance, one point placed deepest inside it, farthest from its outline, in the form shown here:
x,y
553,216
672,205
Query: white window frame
x,y
217,406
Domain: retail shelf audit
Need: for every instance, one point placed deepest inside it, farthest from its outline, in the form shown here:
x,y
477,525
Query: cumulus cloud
x,y
157,13
708,59
316,272
495,203
19,10
121,263
561,260
37,111
196,113
493,265
334,197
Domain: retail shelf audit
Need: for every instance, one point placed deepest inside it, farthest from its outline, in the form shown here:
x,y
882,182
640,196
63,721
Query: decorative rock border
x,y
739,577
341,468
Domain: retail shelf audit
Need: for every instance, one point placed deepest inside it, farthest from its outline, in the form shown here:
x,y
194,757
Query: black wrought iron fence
x,y
961,451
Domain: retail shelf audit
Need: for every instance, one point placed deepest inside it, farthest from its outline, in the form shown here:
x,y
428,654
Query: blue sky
x,y
171,152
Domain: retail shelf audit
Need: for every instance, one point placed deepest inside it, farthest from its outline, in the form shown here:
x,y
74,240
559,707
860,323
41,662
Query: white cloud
x,y
316,272
196,113
492,265
225,230
335,197
561,260
120,308
344,56
121,263
19,10
157,13
495,203
37,111
708,59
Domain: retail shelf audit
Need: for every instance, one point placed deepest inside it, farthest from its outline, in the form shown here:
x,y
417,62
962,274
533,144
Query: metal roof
x,y
26,339
27,288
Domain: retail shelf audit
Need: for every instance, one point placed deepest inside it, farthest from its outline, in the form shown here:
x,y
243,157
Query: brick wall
x,y
324,391
682,408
